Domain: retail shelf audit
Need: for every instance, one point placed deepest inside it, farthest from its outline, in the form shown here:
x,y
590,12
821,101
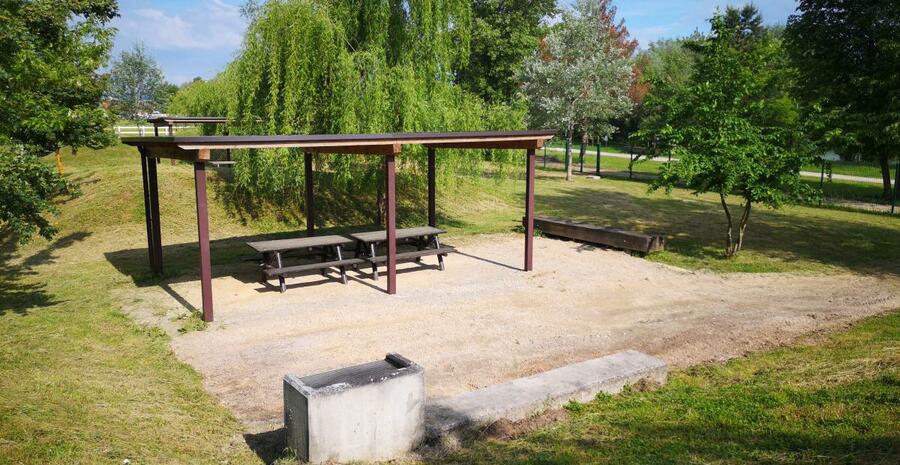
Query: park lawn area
x,y
82,382
833,399
606,163
853,168
576,146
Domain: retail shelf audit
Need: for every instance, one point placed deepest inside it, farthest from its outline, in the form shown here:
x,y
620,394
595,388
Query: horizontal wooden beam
x,y
388,149
174,152
513,144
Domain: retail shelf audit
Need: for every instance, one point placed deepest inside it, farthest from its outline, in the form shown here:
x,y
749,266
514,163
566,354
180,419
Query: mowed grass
x,y
836,401
82,382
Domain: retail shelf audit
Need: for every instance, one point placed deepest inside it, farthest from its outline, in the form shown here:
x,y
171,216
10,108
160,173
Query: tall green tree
x,y
504,34
579,78
848,56
135,83
347,66
734,130
50,93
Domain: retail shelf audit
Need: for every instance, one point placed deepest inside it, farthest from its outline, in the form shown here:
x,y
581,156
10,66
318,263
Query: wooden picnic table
x,y
425,238
328,248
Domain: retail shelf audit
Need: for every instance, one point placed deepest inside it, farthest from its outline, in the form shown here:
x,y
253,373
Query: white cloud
x,y
210,25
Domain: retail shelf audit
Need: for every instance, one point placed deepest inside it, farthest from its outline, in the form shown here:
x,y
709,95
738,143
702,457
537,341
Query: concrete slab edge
x,y
520,398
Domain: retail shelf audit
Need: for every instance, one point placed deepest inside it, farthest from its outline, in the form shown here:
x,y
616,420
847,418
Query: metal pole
x,y
566,157
581,152
310,199
432,189
896,186
529,211
157,264
545,157
203,240
822,183
598,159
148,215
391,200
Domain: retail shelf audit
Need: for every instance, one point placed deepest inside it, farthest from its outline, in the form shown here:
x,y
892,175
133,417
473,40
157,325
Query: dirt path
x,y
483,321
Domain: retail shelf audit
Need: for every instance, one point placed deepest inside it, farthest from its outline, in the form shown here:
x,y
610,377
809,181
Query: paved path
x,y
807,174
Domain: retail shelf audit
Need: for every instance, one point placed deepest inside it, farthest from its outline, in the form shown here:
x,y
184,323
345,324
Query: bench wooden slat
x,y
404,233
613,237
287,271
414,254
299,243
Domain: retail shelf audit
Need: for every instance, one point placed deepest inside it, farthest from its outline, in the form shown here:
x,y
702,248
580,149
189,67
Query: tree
x,y
504,34
848,54
746,22
163,96
579,78
348,66
50,94
28,187
667,69
135,81
734,129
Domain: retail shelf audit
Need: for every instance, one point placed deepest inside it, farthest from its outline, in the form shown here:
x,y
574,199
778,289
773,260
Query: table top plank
x,y
404,233
299,243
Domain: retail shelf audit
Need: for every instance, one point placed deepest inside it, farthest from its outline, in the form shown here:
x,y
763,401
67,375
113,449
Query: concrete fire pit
x,y
373,411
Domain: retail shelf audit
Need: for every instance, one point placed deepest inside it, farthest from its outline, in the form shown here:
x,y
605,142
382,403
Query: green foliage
x,y
348,66
136,83
50,94
504,34
734,130
27,187
581,76
848,54
667,69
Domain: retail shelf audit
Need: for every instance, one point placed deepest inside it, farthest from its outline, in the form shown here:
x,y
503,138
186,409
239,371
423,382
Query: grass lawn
x,y
834,401
853,168
81,382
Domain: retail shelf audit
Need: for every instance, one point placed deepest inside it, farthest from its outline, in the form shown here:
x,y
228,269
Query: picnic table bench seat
x,y
424,237
328,248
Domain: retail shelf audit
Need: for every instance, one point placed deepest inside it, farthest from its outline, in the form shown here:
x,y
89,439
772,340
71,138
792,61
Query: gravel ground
x,y
483,321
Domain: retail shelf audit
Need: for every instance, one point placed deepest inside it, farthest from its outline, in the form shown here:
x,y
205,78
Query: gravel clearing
x,y
483,321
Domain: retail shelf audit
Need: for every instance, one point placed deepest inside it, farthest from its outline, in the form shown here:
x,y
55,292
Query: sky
x,y
191,38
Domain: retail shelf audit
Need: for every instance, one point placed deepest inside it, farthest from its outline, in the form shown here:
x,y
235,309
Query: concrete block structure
x,y
374,411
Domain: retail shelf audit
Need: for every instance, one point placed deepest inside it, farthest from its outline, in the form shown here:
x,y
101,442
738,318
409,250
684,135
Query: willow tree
x,y
347,66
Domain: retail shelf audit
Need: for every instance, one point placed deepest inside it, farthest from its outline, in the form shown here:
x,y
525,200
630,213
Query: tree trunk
x,y
742,227
885,175
569,156
729,238
59,164
584,143
380,206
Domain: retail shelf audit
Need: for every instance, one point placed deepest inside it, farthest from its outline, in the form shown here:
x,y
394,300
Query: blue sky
x,y
199,37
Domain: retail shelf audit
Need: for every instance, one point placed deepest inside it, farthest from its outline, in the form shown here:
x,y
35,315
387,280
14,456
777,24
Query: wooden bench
x,y
611,237
424,238
327,248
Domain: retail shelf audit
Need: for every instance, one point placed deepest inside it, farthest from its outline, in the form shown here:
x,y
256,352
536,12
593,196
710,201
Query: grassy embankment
x,y
80,382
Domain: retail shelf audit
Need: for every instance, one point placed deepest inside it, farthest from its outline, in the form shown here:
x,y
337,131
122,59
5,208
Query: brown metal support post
x,y
203,239
529,212
148,215
432,189
157,264
310,200
391,220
